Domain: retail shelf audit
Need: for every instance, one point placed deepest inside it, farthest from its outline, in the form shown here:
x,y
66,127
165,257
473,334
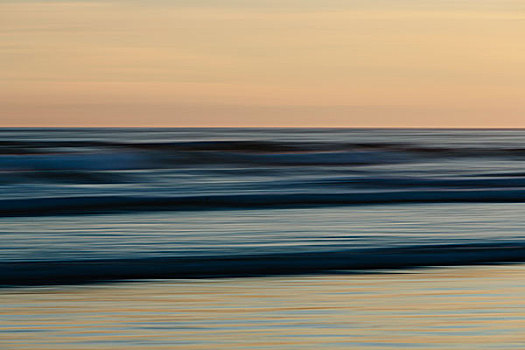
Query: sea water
x,y
257,238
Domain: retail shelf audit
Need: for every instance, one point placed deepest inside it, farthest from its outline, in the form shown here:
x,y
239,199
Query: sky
x,y
269,63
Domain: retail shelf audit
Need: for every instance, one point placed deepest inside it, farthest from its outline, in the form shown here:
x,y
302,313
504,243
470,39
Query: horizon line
x,y
268,127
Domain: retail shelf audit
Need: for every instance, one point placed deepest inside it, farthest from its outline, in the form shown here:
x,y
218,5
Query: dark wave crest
x,y
79,271
101,155
119,204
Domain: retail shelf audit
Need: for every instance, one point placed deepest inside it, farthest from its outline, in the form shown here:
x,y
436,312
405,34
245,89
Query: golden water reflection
x,y
454,308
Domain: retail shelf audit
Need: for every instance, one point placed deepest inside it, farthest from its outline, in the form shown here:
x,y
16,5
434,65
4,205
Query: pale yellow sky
x,y
354,63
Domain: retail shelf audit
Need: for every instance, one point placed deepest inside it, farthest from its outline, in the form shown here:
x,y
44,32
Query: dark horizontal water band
x,y
112,204
82,271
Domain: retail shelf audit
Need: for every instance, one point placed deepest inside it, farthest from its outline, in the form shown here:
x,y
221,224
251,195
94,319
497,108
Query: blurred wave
x,y
120,204
119,172
77,271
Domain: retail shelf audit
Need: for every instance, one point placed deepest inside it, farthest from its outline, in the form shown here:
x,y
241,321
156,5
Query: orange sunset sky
x,y
355,63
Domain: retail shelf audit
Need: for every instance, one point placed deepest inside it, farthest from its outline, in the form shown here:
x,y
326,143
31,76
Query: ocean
x,y
222,238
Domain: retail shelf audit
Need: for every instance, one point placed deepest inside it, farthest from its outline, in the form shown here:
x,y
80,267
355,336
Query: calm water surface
x,y
453,308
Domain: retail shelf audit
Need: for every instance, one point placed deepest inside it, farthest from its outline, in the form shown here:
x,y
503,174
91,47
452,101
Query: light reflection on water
x,y
455,308
258,231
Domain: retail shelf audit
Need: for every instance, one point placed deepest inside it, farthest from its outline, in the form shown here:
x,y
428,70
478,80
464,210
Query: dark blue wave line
x,y
120,204
82,271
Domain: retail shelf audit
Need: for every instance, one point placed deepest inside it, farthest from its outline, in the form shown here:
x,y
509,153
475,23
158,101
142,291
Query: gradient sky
x,y
352,63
